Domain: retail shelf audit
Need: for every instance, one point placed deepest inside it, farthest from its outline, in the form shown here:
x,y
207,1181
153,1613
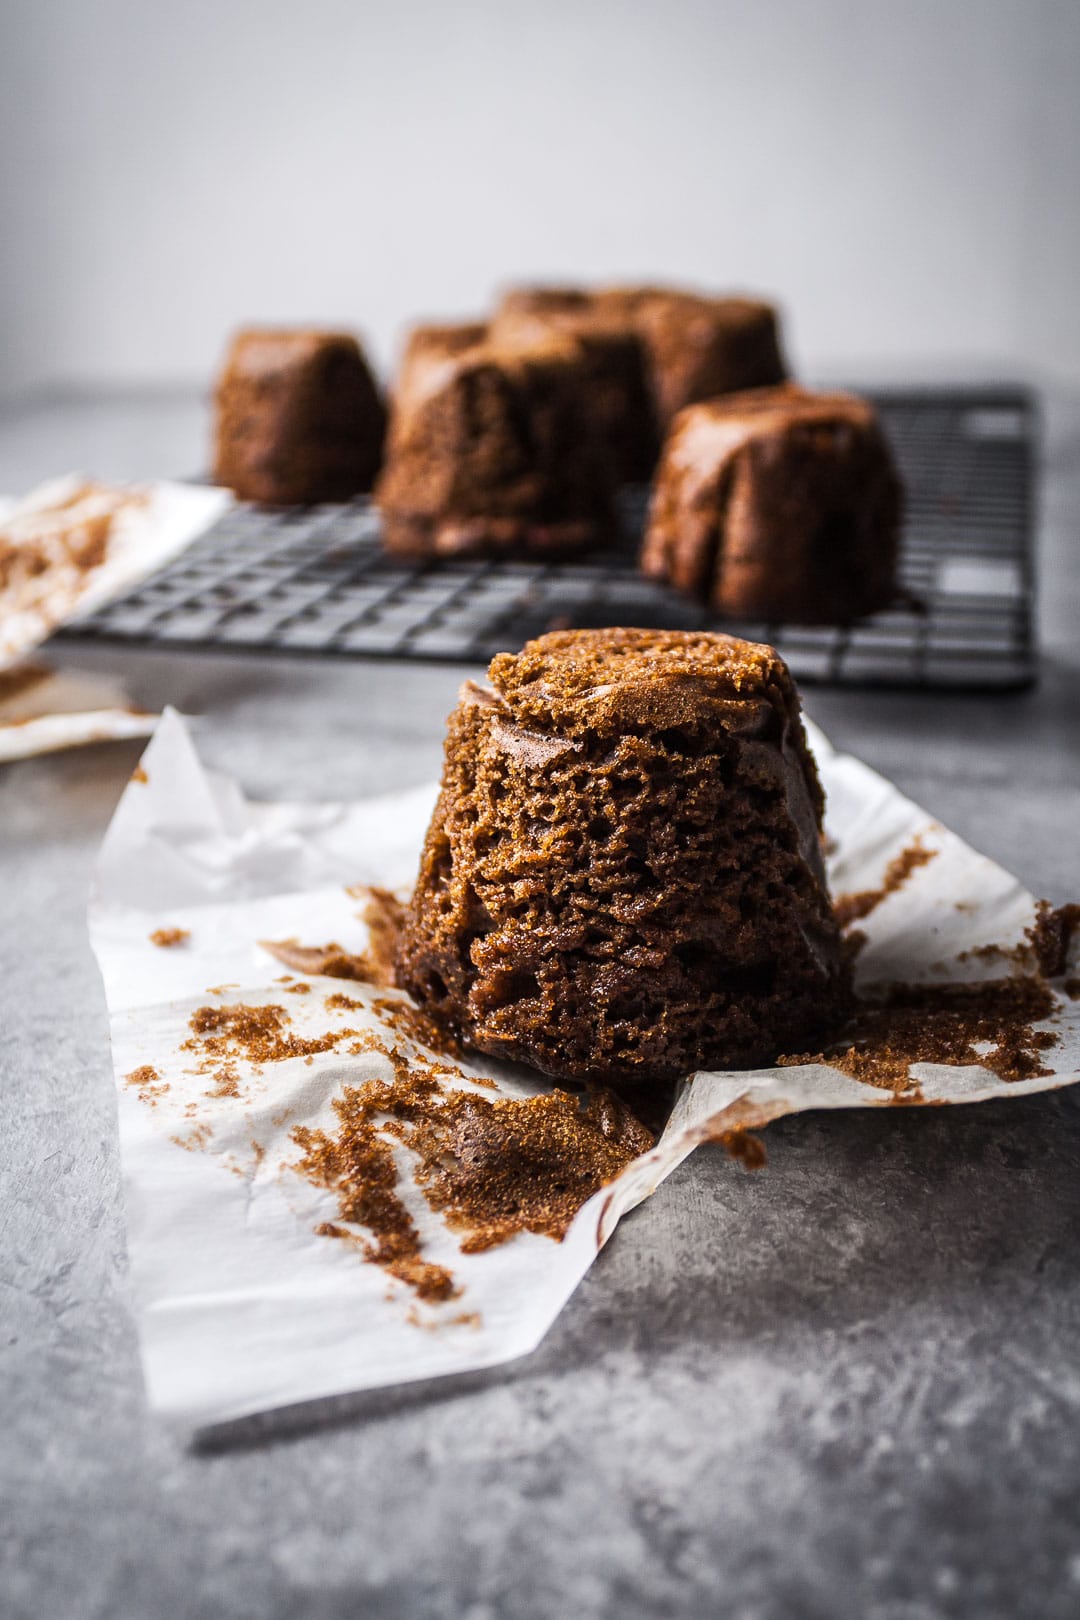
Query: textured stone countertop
x,y
846,1385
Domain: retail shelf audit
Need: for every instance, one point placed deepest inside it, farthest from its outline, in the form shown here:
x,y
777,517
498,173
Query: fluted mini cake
x,y
699,347
623,879
437,340
298,418
492,450
778,504
615,377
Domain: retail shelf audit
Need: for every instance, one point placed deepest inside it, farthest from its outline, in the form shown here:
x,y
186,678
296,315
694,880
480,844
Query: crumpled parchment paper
x,y
43,710
242,1306
51,709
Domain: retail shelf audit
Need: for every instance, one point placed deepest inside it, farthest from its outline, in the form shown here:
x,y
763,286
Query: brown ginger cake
x,y
491,450
698,346
437,340
615,377
778,504
298,418
622,880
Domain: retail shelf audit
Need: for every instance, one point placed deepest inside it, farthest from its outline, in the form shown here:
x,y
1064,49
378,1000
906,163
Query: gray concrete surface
x,y
847,1385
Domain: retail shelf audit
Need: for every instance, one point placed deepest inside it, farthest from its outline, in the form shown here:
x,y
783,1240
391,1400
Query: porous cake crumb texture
x,y
622,880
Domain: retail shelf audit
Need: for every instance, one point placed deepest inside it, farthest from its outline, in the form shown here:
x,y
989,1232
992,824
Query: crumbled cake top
x,y
607,680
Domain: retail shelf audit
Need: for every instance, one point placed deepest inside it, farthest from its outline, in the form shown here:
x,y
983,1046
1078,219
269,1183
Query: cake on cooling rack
x,y
492,450
694,346
298,418
545,299
438,340
623,880
778,504
698,346
614,370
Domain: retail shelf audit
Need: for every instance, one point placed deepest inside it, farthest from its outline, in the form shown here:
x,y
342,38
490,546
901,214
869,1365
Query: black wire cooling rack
x,y
315,580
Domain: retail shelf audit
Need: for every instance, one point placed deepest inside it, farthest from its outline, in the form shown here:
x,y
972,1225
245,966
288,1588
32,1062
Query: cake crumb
x,y
139,774
988,1023
492,1167
744,1146
851,908
227,1083
166,938
256,1033
1050,936
330,961
148,1082
47,552
343,1003
993,953
405,1018
383,915
1045,946
197,1139
438,1324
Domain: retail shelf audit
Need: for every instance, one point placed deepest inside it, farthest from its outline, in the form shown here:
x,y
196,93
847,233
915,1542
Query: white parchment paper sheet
x,y
71,708
68,708
242,1308
143,538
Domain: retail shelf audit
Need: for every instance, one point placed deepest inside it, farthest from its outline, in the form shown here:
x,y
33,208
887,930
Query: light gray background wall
x,y
905,176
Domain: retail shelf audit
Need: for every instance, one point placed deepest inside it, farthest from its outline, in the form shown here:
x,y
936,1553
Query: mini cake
x,y
623,879
545,300
779,504
426,347
613,371
491,450
298,418
696,347
438,341
699,347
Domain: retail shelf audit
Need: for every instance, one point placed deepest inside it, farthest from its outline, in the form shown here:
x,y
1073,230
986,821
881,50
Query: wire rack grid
x,y
315,580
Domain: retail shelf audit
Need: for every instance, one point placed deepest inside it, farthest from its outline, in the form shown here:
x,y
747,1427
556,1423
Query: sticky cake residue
x,y
491,1167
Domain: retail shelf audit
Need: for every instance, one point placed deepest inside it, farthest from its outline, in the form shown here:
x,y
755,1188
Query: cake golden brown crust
x,y
778,504
695,346
298,418
622,880
615,374
438,340
698,346
491,450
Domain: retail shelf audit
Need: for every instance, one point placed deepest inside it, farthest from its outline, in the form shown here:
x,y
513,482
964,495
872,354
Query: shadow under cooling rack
x,y
315,580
